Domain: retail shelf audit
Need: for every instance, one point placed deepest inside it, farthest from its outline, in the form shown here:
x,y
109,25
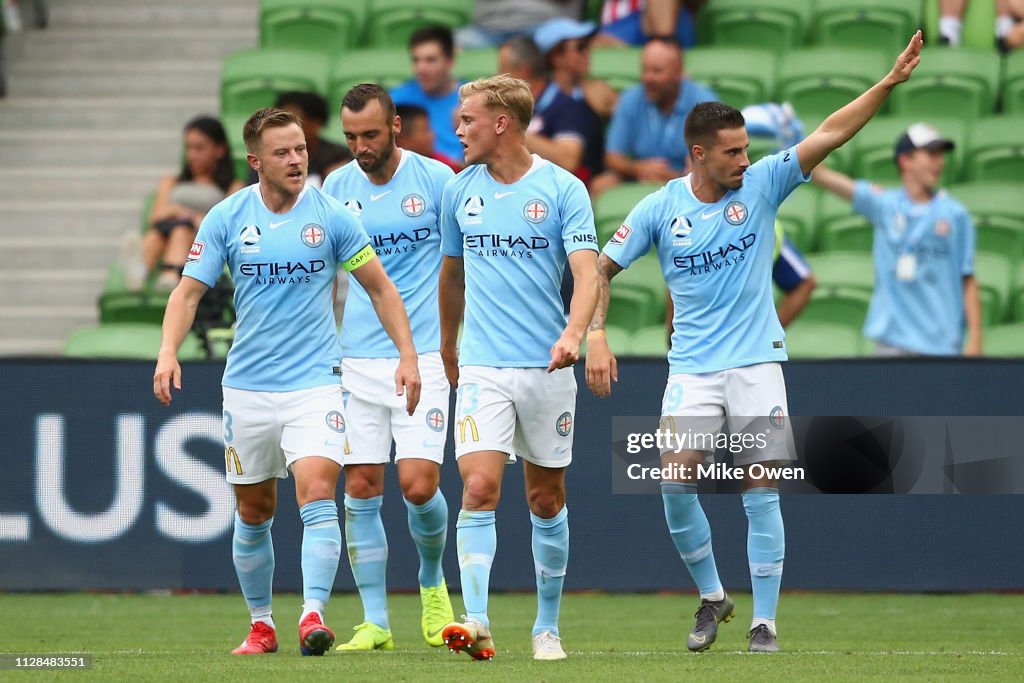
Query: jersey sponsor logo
x,y
354,206
535,211
399,242
195,252
473,208
621,235
715,259
232,461
435,419
467,424
335,421
287,273
505,245
681,227
563,425
413,205
735,213
586,238
313,235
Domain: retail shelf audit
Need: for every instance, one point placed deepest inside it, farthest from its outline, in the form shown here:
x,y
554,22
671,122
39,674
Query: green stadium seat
x,y
126,340
874,145
739,77
618,66
644,274
760,147
1017,312
960,83
391,22
144,306
847,269
838,305
995,149
650,341
840,228
252,79
997,210
473,64
613,205
387,67
631,308
775,25
325,26
884,24
233,125
1003,340
798,216
994,274
809,339
1013,83
818,81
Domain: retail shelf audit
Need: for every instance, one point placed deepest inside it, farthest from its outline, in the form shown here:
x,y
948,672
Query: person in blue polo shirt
x,y
925,291
645,138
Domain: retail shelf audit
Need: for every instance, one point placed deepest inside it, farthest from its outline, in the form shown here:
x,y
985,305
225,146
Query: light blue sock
x,y
428,525
368,555
252,549
321,548
690,531
550,557
766,547
477,541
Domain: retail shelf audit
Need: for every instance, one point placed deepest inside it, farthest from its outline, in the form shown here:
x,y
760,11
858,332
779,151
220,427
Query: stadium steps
x,y
92,119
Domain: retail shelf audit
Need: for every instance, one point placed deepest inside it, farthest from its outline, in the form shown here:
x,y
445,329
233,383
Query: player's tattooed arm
x,y
602,368
606,270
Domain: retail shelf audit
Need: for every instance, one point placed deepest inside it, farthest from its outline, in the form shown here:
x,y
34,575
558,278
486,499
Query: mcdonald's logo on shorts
x,y
471,424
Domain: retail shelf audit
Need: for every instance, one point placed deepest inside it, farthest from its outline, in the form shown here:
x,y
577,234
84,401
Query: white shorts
x,y
266,431
523,411
376,415
750,400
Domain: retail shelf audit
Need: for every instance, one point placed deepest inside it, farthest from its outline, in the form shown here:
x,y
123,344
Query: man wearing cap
x,y
566,44
645,139
925,291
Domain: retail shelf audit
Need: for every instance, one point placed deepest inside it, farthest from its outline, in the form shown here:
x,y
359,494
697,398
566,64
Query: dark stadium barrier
x,y
103,488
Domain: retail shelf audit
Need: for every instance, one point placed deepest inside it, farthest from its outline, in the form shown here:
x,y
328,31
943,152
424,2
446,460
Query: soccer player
x,y
283,408
509,223
714,235
397,195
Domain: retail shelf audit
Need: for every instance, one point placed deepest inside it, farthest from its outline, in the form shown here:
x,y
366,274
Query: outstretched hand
x,y
907,60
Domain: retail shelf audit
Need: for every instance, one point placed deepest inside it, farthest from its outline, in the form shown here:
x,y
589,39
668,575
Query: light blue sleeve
x,y
869,201
349,236
621,123
578,231
778,175
451,233
633,238
965,234
208,253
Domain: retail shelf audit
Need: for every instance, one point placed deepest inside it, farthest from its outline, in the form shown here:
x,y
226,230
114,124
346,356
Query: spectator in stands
x,y
562,130
645,139
1009,30
634,22
416,135
434,87
925,290
565,44
495,21
206,177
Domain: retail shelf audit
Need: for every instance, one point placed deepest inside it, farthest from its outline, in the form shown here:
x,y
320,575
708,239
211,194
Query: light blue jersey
x,y
920,309
283,267
514,240
717,260
401,218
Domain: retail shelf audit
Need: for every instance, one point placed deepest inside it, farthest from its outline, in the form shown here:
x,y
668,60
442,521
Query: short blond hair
x,y
269,117
503,92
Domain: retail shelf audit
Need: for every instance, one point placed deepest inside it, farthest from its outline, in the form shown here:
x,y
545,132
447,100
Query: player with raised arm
x,y
509,223
283,408
714,234
397,195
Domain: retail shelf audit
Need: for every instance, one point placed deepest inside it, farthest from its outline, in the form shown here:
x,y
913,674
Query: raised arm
x,y
835,182
451,295
602,368
387,302
178,318
844,123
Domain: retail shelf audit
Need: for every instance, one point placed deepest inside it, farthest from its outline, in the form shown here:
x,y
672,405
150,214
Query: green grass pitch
x,y
629,637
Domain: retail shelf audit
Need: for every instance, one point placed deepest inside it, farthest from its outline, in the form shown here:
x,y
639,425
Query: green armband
x,y
362,256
